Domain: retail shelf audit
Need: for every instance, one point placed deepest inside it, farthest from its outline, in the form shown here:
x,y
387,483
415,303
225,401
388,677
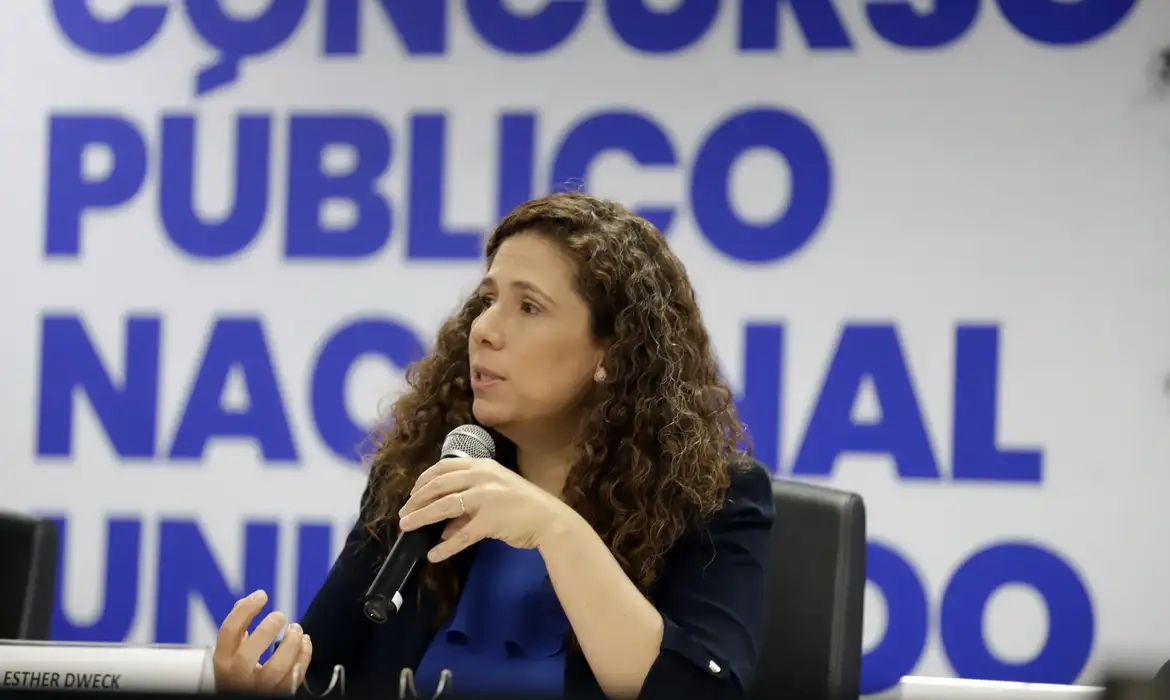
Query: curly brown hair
x,y
662,434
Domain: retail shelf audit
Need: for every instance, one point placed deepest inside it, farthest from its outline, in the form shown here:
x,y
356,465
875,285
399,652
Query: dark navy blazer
x,y
711,595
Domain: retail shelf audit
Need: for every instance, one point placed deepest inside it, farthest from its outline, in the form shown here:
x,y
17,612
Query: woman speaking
x,y
616,545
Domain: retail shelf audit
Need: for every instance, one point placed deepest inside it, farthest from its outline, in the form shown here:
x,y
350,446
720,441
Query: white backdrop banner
x,y
930,239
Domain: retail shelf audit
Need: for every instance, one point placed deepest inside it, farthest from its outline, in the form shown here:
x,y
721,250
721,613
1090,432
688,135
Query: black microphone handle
x,y
384,596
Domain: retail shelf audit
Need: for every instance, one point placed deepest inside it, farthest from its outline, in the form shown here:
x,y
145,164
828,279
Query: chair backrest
x,y
28,576
1163,675
816,595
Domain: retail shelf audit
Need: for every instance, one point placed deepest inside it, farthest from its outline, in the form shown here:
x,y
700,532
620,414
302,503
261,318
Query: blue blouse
x,y
508,631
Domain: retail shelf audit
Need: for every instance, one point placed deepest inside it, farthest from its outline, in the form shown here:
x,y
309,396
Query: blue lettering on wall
x,y
1062,23
961,612
422,28
127,412
236,345
120,605
975,453
529,33
311,184
235,231
70,364
517,161
188,569
796,141
234,38
70,194
123,390
907,618
760,402
310,187
430,239
874,354
654,31
1070,614
902,24
822,27
130,32
636,135
380,337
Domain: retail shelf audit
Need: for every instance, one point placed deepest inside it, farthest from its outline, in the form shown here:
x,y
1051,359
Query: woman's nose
x,y
485,329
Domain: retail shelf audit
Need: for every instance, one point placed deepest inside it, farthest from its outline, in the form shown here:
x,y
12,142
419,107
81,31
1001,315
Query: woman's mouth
x,y
481,377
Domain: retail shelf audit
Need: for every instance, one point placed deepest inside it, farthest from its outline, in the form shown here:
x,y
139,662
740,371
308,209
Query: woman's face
x,y
533,356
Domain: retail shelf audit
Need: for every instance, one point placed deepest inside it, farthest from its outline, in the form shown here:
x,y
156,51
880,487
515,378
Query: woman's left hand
x,y
482,499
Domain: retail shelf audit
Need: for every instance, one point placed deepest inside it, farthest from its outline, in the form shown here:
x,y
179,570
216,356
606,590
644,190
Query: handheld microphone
x,y
384,596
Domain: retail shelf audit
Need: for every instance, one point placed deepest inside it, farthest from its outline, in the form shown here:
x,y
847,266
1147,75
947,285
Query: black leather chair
x,y
28,576
1163,675
816,595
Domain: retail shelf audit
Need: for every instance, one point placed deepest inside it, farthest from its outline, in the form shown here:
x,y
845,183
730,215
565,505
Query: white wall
x,y
980,221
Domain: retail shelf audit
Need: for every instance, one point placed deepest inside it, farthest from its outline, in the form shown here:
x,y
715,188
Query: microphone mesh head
x,y
471,440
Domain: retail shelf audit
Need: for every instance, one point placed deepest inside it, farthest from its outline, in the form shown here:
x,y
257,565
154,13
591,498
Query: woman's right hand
x,y
237,654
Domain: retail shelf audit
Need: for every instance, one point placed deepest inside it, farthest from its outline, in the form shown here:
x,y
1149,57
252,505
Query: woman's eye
x,y
529,308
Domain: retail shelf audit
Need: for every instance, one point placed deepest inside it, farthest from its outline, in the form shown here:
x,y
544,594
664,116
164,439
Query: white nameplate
x,y
927,688
98,667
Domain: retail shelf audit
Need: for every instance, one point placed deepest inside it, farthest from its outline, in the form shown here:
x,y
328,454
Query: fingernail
x,y
306,642
294,627
257,595
432,555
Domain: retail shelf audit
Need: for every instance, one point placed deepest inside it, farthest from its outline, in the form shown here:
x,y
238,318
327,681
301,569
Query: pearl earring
x,y
599,375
